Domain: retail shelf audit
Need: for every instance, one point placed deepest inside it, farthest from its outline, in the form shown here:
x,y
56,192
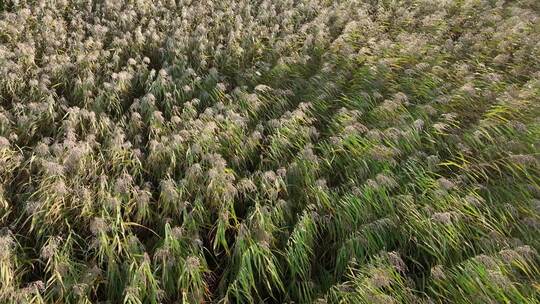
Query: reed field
x,y
269,151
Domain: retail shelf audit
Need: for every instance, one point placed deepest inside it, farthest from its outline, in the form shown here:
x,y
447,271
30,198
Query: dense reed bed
x,y
307,151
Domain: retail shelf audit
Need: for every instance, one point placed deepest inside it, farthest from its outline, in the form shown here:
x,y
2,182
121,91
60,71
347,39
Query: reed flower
x,y
437,272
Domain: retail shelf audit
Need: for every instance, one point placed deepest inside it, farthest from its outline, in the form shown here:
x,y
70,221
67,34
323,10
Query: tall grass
x,y
269,151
